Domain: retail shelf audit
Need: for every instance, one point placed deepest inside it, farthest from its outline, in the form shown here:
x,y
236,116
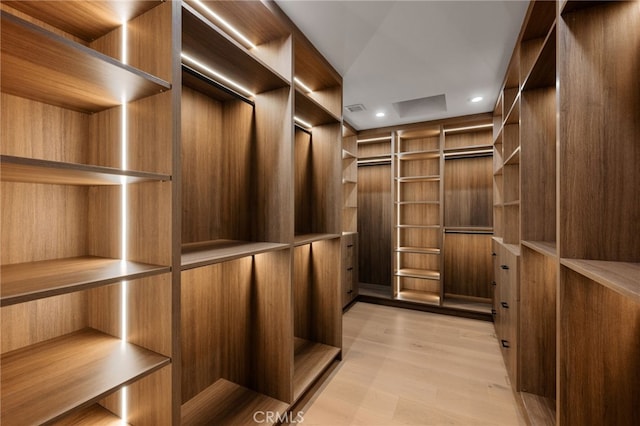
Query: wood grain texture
x,y
87,21
36,280
80,362
33,322
599,188
272,329
312,111
22,169
303,183
200,148
543,71
374,149
537,328
468,199
302,292
480,137
539,410
605,351
148,40
95,415
277,55
207,43
218,296
148,312
36,224
273,195
349,268
420,260
419,214
467,265
227,403
326,144
148,400
53,133
85,81
375,224
330,98
195,255
427,143
538,166
311,360
621,277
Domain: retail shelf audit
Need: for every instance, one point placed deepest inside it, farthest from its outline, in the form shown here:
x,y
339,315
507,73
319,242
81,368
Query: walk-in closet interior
x,y
186,214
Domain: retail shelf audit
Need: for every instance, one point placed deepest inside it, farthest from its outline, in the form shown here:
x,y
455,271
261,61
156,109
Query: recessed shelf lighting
x,y
301,84
302,123
216,75
380,114
225,24
476,99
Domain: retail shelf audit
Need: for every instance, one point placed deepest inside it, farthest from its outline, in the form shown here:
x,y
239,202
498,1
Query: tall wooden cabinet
x,y
171,240
577,289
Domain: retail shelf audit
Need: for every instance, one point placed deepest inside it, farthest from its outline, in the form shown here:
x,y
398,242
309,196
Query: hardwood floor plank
x,y
407,367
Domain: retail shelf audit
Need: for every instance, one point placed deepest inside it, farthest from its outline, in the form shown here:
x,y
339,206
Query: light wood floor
x,y
403,367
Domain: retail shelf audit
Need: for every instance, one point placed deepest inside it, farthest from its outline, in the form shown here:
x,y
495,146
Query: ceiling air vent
x,y
355,108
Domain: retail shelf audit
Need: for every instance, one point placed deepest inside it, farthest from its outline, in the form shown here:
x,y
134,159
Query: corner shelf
x,y
36,280
227,403
30,170
311,359
195,255
621,277
54,377
85,80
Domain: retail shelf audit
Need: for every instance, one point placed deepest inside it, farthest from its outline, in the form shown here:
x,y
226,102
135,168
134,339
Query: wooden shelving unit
x,y
349,215
87,179
418,214
83,360
146,171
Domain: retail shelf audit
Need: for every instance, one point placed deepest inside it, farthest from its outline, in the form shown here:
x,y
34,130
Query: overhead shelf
x,y
543,247
195,255
303,239
40,65
419,250
23,282
31,170
419,155
43,382
203,41
312,112
543,73
407,179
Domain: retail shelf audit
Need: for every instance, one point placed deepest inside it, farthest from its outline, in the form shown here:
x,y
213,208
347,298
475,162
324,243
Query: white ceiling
x,y
391,51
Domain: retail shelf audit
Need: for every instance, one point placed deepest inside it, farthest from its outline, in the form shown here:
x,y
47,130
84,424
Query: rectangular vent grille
x,y
355,108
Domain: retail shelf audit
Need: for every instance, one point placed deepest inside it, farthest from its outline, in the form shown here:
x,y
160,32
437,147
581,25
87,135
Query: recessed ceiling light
x,y
379,114
476,99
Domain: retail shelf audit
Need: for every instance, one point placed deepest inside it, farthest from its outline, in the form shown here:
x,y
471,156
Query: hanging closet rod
x,y
468,231
216,84
301,127
373,163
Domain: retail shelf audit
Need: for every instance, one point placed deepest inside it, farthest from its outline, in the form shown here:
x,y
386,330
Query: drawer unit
x,y
349,268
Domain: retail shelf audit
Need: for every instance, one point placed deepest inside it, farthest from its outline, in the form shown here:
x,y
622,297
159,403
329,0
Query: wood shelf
x,y
406,226
543,247
227,403
418,155
313,112
418,273
408,179
55,377
71,17
41,65
205,42
543,73
94,415
418,250
311,359
195,255
404,203
514,203
513,116
466,303
31,170
36,280
514,158
431,298
540,410
621,277
574,5
302,239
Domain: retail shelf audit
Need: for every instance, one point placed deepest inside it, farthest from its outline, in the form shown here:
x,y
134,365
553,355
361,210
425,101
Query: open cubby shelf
x,y
311,359
621,277
419,250
428,297
311,111
36,280
418,273
547,248
84,79
303,239
54,377
227,403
